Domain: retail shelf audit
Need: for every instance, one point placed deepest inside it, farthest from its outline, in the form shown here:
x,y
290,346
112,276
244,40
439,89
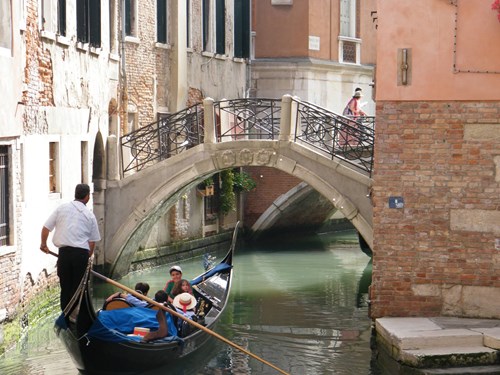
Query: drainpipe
x,y
123,70
248,88
123,77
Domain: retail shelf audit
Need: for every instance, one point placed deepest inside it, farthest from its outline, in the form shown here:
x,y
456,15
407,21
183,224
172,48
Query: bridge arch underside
x,y
287,213
136,203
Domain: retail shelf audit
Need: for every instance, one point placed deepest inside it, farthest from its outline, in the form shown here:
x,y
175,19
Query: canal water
x,y
300,304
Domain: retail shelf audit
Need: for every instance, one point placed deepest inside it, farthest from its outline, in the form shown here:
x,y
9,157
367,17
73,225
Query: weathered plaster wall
x,y
428,29
53,89
216,76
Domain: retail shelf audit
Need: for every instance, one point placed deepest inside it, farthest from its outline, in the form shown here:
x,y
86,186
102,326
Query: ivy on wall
x,y
232,182
227,198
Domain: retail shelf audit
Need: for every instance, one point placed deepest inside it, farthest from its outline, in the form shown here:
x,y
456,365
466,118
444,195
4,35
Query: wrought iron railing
x,y
250,118
160,140
348,138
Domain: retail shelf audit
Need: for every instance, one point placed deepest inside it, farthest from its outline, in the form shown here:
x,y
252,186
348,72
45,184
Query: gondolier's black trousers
x,y
71,266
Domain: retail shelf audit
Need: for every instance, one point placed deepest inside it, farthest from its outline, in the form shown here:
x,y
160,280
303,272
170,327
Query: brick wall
x,y
440,253
32,288
271,183
147,68
38,71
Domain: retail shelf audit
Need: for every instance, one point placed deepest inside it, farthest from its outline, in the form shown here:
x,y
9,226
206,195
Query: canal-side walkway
x,y
439,345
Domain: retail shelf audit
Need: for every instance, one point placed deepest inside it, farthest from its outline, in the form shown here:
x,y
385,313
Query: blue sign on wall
x,y
396,202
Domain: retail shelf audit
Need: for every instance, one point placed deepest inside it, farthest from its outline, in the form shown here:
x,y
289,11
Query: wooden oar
x,y
175,313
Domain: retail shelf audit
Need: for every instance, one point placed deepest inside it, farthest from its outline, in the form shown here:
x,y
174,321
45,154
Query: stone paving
x,y
441,345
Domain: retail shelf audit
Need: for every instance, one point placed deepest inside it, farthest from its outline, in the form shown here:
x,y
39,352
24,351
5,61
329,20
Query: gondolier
x,y
76,233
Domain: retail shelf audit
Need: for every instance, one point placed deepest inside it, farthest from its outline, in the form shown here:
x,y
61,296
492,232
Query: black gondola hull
x,y
94,356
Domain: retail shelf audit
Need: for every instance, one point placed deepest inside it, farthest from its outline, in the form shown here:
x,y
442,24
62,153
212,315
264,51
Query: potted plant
x,y
206,187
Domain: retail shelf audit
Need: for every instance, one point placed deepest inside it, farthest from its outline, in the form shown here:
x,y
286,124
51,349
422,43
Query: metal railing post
x,y
294,117
209,120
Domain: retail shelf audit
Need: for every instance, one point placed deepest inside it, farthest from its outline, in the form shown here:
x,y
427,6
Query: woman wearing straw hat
x,y
185,303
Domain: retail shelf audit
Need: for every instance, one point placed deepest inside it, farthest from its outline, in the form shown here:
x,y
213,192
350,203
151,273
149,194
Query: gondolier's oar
x,y
175,313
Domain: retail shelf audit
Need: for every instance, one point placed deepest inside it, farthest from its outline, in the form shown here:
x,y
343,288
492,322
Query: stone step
x,y
476,370
491,337
418,333
451,356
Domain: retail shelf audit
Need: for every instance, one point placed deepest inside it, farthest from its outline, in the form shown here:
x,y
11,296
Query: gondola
x,y
98,349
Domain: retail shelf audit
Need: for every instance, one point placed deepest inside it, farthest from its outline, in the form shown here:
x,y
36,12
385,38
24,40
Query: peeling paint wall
x,y
53,89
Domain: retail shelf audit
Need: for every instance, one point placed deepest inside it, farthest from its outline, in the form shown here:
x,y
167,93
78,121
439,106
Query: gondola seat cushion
x,y
115,325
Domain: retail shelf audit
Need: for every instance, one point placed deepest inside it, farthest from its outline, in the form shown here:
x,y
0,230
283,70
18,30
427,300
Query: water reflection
x,y
300,305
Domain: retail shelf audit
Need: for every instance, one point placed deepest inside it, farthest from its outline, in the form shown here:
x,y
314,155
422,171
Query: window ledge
x,y
220,57
132,39
208,54
349,39
49,35
239,59
96,51
189,50
62,40
54,196
4,250
163,45
281,2
83,47
114,57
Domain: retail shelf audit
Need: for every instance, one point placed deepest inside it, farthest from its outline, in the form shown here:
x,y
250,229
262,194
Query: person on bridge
x,y
353,107
176,275
76,233
352,110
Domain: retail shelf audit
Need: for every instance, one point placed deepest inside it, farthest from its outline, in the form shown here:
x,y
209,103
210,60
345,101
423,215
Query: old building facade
x,y
317,50
436,252
60,77
192,50
78,76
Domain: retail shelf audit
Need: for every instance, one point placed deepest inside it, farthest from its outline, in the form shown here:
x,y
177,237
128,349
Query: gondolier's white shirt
x,y
75,225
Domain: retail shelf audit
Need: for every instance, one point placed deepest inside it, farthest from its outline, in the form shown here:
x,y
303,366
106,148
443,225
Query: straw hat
x,y
184,301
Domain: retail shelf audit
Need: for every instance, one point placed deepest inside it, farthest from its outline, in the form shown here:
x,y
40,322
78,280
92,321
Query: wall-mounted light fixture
x,y
404,66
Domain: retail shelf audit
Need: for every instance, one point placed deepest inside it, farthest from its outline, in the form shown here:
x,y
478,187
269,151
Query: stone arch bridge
x,y
331,153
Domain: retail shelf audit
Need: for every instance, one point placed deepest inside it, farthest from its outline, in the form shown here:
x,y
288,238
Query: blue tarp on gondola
x,y
219,268
114,325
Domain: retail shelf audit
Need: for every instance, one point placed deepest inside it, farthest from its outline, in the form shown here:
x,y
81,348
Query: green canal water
x,y
298,303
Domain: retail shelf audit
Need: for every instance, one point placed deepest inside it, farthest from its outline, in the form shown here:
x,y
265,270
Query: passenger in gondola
x,y
141,288
176,275
182,286
161,296
162,330
185,304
